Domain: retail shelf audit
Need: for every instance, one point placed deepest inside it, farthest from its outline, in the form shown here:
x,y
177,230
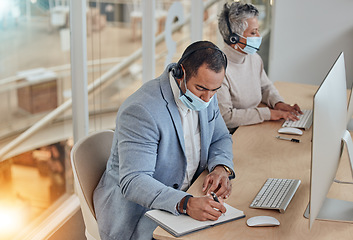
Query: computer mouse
x,y
290,130
262,221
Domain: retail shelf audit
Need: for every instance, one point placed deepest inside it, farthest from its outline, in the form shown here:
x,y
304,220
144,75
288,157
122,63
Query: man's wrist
x,y
228,170
182,205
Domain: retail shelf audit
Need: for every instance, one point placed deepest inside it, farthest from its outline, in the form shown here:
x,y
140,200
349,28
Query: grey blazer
x,y
147,164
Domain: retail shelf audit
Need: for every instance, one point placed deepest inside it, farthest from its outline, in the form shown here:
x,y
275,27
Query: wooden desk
x,y
258,155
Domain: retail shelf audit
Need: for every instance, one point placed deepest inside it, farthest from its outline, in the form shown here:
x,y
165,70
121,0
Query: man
x,y
167,133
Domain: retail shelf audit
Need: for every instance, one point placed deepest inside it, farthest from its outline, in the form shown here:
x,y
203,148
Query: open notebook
x,y
183,224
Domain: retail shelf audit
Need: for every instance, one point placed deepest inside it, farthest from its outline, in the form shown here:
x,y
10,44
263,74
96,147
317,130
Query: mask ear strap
x,y
187,97
184,79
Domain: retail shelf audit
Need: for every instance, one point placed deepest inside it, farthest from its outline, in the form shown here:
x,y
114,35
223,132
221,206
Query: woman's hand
x,y
279,114
285,111
295,109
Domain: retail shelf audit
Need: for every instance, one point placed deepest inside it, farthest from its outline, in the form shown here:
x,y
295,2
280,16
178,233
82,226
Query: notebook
x,y
183,224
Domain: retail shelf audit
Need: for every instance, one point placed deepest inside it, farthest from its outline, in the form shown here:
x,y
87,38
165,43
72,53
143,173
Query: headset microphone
x,y
249,46
182,93
188,98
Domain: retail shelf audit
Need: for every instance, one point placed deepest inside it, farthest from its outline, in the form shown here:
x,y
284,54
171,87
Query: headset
x,y
177,71
235,38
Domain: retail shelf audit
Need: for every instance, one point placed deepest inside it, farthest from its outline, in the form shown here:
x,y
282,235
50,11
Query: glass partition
x,y
35,81
34,78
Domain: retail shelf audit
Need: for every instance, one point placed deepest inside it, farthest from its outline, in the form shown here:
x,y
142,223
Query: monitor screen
x,y
329,128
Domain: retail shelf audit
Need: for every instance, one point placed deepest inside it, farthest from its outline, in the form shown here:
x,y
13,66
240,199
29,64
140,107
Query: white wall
x,y
307,37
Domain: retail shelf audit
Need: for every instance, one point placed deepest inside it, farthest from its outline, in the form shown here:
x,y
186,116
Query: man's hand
x,y
218,182
204,208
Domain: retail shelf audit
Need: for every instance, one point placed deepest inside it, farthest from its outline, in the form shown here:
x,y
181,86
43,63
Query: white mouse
x,y
290,130
262,221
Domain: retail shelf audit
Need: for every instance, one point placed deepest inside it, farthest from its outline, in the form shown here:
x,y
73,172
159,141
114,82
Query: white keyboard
x,y
276,193
305,120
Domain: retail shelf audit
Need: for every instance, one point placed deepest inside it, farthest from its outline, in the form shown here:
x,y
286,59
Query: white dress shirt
x,y
192,138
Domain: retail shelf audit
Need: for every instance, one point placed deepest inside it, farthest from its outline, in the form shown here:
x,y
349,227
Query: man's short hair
x,y
203,52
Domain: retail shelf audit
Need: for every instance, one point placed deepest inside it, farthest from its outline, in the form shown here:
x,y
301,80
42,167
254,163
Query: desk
x,y
258,155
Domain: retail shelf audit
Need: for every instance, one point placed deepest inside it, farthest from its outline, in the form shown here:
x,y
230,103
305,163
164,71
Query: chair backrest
x,y
89,157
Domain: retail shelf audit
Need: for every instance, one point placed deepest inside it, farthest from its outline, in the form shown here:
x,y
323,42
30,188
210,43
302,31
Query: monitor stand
x,y
350,124
335,209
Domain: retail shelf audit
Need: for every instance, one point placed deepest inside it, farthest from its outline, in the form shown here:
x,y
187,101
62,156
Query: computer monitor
x,y
329,134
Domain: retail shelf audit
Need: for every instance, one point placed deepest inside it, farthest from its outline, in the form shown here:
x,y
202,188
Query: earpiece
x,y
177,71
234,38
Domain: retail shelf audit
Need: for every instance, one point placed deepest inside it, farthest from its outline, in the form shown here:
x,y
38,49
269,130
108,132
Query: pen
x,y
214,196
216,199
289,139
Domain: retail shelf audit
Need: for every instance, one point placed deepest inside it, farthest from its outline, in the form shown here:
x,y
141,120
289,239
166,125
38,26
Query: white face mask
x,y
191,101
252,44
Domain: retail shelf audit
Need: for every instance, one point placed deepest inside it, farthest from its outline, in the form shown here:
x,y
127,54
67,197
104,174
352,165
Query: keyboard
x,y
276,193
305,120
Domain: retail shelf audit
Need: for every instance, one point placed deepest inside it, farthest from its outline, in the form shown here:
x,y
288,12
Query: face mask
x,y
252,44
191,101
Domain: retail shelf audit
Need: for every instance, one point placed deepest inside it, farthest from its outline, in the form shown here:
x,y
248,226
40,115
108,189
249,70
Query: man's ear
x,y
183,69
182,77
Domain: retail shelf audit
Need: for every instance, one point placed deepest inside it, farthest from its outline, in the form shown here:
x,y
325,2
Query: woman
x,y
246,84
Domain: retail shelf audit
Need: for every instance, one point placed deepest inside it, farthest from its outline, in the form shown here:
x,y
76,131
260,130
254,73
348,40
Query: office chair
x,y
88,159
